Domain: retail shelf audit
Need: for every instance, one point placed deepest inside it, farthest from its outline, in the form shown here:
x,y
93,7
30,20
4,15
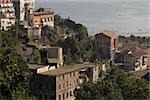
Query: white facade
x,y
142,62
20,7
8,13
49,22
4,23
31,3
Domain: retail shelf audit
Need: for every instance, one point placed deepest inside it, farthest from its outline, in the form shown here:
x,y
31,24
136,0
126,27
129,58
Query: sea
x,y
125,17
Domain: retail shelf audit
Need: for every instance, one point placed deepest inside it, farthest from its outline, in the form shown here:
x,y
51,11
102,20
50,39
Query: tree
x,y
88,91
116,86
14,75
36,57
19,33
49,35
82,32
57,18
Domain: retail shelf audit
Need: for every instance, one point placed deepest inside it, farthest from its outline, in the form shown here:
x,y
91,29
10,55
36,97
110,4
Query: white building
x,y
7,17
22,7
4,23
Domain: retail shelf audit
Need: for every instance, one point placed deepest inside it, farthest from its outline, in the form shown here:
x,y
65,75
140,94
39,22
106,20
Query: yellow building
x,y
61,83
38,19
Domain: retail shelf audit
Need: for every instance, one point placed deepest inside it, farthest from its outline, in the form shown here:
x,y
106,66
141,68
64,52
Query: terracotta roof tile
x,y
110,34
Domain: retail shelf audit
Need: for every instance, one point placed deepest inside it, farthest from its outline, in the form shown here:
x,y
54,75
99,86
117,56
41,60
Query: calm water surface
x,y
123,16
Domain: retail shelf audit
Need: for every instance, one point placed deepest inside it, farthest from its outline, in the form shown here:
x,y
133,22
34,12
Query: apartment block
x,y
60,84
133,60
23,8
7,14
42,18
106,42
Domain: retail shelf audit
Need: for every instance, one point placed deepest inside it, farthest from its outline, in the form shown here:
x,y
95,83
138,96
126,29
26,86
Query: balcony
x,y
6,5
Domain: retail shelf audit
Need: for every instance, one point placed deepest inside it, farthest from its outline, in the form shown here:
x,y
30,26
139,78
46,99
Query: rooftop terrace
x,y
65,69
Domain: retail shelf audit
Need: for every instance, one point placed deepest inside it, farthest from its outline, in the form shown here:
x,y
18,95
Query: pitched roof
x,y
101,35
110,34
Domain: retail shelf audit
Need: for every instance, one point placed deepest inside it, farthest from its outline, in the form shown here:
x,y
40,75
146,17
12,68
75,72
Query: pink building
x,y
113,37
107,42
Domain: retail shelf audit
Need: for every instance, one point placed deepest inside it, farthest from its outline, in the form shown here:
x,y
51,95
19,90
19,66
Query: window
x,y
73,73
67,83
59,86
77,81
74,81
40,97
48,19
70,93
51,19
45,97
107,43
40,86
63,85
67,95
63,77
70,74
3,28
59,97
63,96
52,86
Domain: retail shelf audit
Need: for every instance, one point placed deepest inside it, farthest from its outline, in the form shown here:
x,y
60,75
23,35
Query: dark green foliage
x,y
49,35
40,10
57,19
143,41
81,31
20,33
116,86
77,46
14,73
36,57
147,76
140,39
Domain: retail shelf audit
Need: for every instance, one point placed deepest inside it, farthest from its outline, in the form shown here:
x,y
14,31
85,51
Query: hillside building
x,y
23,8
7,14
61,83
43,18
106,42
133,59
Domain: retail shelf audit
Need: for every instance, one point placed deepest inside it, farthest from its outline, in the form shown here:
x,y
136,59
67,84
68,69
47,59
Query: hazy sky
x,y
148,1
92,0
120,15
